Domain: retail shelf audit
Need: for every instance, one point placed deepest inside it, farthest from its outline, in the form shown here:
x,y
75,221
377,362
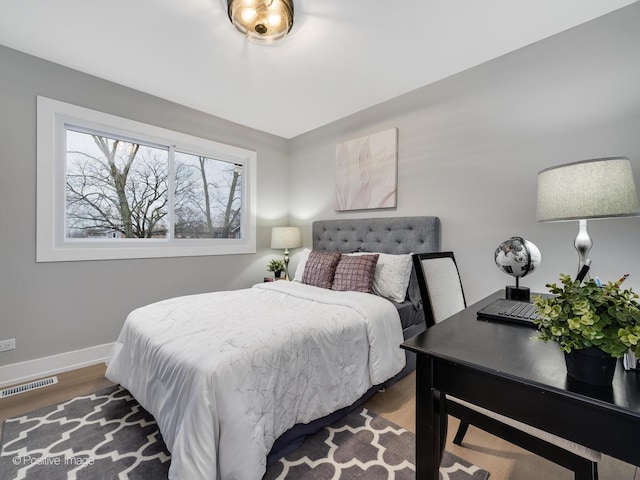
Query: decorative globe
x,y
517,257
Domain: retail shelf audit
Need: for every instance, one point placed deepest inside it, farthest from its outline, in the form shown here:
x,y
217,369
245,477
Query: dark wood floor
x,y
397,404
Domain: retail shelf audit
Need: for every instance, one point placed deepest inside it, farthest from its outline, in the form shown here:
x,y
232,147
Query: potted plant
x,y
277,267
592,324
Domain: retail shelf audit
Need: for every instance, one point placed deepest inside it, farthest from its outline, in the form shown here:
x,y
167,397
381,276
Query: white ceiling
x,y
342,56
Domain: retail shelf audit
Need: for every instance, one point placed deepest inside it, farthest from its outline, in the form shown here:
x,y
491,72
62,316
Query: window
x,y
110,187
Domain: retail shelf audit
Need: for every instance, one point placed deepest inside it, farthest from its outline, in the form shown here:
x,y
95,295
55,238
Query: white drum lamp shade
x,y
286,237
601,188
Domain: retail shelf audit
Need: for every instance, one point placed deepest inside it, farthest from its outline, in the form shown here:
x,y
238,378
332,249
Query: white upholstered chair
x,y
443,296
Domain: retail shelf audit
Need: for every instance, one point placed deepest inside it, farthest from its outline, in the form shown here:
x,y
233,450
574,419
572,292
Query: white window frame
x,y
51,245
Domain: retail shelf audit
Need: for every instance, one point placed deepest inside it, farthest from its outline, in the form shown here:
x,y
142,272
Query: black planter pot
x,y
591,365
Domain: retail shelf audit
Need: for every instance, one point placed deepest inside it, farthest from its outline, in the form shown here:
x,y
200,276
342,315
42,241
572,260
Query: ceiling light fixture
x,y
264,21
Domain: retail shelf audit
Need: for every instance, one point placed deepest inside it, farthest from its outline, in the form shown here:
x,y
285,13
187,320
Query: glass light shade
x,y
286,237
264,21
600,188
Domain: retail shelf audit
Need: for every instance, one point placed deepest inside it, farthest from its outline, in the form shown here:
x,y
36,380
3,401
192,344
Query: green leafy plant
x,y
275,266
584,315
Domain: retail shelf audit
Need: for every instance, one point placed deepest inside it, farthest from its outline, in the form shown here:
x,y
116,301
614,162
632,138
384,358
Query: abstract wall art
x,y
367,172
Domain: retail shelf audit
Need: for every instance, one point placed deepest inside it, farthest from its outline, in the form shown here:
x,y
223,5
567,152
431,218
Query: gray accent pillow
x,y
413,291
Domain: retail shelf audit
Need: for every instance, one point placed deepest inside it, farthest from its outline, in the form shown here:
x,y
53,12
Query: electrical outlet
x,y
7,344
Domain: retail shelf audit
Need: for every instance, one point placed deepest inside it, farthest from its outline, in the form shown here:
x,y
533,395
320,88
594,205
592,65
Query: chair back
x,y
440,285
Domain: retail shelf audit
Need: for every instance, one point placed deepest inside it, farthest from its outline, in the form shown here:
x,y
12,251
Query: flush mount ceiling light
x,y
264,21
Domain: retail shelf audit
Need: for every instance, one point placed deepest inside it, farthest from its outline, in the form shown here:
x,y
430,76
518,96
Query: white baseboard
x,y
43,367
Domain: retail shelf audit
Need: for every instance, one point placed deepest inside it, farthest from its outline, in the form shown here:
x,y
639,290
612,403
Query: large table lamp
x,y
286,237
598,188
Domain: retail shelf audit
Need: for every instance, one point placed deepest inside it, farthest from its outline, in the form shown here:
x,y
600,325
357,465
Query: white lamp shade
x,y
286,237
600,188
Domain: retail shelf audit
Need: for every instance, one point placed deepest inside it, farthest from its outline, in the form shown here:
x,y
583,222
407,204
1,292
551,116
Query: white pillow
x,y
392,275
304,256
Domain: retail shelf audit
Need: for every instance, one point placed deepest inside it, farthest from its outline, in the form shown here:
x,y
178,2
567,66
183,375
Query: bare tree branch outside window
x,y
119,189
115,188
208,197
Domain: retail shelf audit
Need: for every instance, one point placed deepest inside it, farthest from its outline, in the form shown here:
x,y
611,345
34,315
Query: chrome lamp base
x,y
583,244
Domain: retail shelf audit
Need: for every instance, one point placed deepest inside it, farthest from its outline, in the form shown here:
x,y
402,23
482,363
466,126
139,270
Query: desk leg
x,y
431,426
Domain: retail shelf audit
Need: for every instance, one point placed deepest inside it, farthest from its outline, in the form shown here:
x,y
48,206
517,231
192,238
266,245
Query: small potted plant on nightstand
x,y
277,267
594,326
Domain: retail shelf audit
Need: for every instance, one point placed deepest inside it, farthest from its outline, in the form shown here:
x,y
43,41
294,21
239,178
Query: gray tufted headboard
x,y
396,235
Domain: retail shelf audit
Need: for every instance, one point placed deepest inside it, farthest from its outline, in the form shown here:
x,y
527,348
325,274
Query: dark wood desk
x,y
498,366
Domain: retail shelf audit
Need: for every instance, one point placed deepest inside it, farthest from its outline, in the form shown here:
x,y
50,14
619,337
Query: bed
x,y
231,376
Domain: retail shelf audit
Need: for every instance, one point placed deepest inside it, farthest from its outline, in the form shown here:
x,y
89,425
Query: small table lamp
x,y
286,237
599,188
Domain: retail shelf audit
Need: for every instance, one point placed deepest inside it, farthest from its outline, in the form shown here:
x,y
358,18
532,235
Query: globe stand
x,y
516,292
517,257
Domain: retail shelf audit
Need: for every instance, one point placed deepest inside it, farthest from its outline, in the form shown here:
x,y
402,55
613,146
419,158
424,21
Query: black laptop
x,y
511,311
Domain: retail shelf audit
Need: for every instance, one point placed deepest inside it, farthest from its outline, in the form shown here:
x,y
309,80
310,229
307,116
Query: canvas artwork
x,y
367,172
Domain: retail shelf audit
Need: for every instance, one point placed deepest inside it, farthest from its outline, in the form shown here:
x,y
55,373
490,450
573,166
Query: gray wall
x,y
51,308
470,148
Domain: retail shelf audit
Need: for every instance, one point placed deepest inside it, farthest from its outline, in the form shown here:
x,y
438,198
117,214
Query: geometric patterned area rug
x,y
363,445
108,435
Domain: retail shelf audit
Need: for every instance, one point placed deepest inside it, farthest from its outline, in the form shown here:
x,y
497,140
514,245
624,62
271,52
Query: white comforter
x,y
226,373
